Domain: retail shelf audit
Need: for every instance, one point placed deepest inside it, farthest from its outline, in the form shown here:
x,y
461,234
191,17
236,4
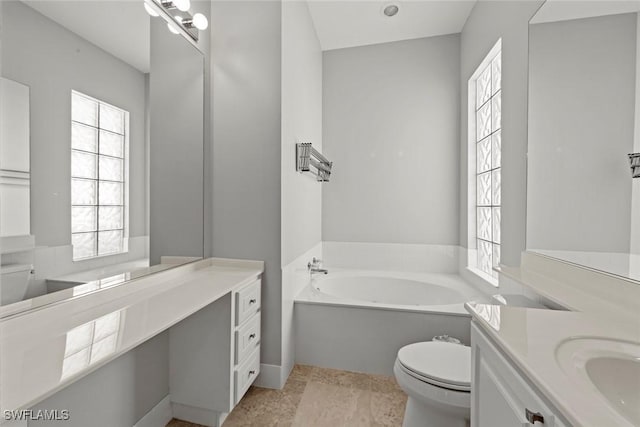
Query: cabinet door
x,y
495,406
501,396
14,126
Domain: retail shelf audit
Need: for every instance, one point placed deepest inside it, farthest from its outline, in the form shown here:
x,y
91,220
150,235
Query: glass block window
x,y
488,141
99,149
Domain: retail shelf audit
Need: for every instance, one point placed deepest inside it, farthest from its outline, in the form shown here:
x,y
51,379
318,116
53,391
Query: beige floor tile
x,y
327,405
384,384
301,372
387,409
341,378
320,397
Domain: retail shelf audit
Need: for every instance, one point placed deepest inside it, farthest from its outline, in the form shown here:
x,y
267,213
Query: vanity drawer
x,y
247,338
246,374
247,302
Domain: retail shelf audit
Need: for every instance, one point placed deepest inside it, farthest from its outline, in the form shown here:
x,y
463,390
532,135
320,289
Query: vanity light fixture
x,y
634,159
178,23
150,10
181,5
198,21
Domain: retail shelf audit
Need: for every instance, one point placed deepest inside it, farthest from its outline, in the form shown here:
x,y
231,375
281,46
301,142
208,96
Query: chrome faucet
x,y
314,266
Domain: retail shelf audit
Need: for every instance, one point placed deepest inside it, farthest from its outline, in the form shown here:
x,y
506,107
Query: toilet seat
x,y
441,364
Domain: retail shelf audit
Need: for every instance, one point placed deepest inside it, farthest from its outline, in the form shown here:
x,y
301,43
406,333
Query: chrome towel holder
x,y
308,159
634,160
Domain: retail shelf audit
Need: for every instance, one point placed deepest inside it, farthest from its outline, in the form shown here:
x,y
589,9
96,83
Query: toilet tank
x,y
14,282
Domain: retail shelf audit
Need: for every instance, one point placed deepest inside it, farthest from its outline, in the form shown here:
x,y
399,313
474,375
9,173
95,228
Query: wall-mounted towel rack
x,y
308,157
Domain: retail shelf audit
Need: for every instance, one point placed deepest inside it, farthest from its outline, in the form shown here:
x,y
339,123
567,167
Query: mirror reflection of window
x,y
99,150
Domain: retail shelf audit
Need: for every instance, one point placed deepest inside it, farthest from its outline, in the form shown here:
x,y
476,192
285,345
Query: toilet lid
x,y
443,362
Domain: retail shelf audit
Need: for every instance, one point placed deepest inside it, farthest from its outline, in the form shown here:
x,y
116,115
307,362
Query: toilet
x,y
14,282
437,378
436,375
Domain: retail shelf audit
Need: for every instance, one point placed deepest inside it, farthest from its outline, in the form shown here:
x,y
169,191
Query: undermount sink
x,y
611,367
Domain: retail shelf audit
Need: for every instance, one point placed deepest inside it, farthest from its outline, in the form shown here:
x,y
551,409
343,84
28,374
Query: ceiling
x,y
119,27
562,10
341,24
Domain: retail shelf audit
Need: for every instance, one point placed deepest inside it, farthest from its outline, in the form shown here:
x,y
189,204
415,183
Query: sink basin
x,y
610,367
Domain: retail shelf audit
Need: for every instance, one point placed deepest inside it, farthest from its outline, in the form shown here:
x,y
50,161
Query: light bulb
x,y
200,21
182,5
173,28
150,10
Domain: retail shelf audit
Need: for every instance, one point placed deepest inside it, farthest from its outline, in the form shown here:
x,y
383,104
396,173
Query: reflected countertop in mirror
x,y
583,204
89,147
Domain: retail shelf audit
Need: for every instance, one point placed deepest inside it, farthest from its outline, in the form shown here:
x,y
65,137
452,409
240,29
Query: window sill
x,y
483,277
101,256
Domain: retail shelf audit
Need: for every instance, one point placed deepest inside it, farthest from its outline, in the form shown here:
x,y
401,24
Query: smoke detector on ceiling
x,y
390,9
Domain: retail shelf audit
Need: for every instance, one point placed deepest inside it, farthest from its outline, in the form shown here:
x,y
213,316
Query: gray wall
x,y
301,122
489,21
177,151
117,394
390,125
246,94
52,61
581,126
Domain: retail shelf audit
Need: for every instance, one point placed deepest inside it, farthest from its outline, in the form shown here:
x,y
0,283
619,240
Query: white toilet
x,y
14,282
436,376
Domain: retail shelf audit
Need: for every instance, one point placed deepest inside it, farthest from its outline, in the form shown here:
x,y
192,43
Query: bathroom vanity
x,y
212,311
557,367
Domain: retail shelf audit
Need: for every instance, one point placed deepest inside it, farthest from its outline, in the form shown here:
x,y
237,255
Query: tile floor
x,y
320,397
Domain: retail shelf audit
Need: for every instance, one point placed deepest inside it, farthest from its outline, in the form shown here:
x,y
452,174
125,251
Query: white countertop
x,y
45,350
530,337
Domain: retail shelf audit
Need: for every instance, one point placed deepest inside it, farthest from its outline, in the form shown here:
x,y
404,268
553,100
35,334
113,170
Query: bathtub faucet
x,y
314,266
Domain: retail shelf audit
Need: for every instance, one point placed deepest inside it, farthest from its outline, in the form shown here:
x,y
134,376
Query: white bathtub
x,y
442,293
358,319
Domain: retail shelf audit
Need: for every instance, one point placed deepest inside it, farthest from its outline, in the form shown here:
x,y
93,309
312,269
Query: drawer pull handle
x,y
251,372
252,336
252,301
532,417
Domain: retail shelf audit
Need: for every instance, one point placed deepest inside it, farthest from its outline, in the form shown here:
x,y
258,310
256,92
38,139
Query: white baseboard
x,y
158,416
197,415
270,377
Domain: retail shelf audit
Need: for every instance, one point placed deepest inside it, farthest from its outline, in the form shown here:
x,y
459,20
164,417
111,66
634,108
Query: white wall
x,y
301,219
582,77
301,122
390,125
635,207
246,120
489,21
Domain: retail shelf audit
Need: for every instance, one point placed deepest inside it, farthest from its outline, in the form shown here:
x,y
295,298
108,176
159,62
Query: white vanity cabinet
x,y
500,395
246,338
214,356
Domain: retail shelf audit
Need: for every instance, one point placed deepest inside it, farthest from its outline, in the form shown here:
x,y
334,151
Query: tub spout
x,y
314,267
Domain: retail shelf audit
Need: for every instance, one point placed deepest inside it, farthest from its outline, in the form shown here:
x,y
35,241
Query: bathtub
x,y
418,292
357,320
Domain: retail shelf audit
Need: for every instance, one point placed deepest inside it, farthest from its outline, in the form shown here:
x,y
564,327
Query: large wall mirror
x,y
101,153
583,203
